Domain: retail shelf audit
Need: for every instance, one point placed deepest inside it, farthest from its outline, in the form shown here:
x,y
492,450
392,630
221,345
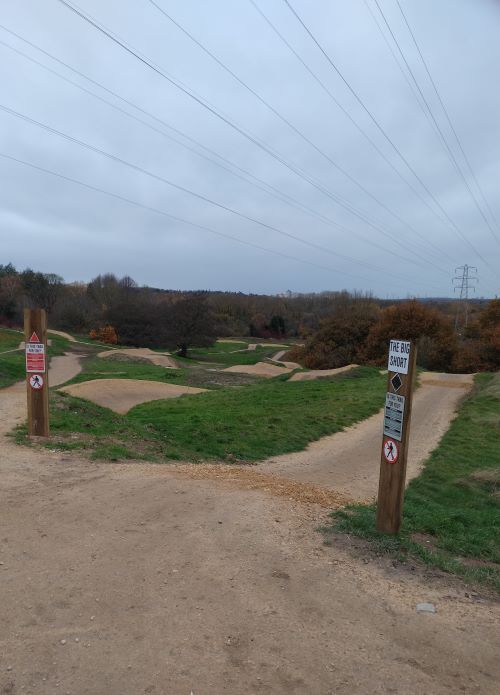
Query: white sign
x,y
399,356
36,381
393,415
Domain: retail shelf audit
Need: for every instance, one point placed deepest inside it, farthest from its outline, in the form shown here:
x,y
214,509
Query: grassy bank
x,y
122,368
229,354
229,424
264,420
452,510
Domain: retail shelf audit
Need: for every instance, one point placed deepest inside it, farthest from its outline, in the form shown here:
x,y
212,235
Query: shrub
x,y
107,334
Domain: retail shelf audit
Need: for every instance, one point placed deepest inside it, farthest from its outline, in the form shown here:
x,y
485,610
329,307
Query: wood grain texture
x,y
393,475
35,320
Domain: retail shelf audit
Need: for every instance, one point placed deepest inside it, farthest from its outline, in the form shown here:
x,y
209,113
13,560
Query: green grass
x,y
9,339
228,354
80,425
109,368
452,510
266,419
230,424
228,359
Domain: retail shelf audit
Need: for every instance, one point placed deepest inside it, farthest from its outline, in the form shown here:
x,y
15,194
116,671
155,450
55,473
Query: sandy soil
x,y
121,395
320,373
135,578
349,461
265,369
162,359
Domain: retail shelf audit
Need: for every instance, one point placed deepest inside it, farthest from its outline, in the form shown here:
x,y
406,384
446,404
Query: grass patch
x,y
265,419
140,368
229,354
452,510
80,425
232,424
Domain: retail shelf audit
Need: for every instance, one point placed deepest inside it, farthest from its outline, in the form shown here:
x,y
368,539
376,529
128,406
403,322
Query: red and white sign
x,y
35,355
36,382
391,452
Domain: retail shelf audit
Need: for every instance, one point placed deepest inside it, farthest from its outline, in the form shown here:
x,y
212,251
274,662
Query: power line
x,y
457,139
400,66
352,120
269,150
188,191
441,135
175,218
273,110
278,194
386,136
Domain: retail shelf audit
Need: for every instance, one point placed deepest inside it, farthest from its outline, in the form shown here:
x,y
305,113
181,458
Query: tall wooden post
x,y
396,433
37,383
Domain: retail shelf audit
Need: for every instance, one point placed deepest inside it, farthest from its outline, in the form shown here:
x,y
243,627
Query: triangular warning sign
x,y
34,338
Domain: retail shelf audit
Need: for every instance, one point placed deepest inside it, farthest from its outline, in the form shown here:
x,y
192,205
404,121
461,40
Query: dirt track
x,y
349,461
134,578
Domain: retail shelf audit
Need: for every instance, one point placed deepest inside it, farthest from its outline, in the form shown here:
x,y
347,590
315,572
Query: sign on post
x,y
35,332
396,432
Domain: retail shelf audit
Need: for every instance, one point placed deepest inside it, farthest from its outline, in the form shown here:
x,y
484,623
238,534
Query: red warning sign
x,y
391,452
35,355
34,338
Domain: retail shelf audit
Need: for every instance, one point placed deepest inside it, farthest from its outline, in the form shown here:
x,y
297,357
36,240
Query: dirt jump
x,y
161,359
321,373
120,395
121,579
263,369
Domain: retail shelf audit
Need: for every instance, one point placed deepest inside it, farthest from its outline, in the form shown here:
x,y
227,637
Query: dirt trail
x,y
134,578
348,461
161,359
121,395
264,369
321,373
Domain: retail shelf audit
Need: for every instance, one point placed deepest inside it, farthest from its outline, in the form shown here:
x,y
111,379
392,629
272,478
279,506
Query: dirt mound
x,y
265,369
319,373
121,395
161,359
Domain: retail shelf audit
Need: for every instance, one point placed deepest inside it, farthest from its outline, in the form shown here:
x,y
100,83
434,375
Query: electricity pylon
x,y
466,276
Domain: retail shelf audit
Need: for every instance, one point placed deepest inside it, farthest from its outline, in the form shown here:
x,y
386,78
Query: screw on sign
x,y
36,381
391,452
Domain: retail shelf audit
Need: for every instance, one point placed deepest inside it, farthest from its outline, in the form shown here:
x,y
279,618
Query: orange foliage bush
x,y
104,335
428,328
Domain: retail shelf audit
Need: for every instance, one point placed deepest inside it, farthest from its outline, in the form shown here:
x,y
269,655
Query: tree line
x,y
336,328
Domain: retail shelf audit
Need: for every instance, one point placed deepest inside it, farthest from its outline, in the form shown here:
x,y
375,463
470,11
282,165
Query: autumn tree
x,y
428,328
340,339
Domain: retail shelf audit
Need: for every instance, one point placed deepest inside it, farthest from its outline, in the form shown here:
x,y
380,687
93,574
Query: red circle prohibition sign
x,y
391,452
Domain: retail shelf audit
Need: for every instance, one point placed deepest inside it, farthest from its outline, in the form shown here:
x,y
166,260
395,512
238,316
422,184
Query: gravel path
x,y
136,578
348,461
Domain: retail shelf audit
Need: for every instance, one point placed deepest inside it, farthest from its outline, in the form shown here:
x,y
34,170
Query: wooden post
x,y
37,383
396,432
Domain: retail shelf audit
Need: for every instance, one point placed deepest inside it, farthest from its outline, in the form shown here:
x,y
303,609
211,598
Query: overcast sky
x,y
365,222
